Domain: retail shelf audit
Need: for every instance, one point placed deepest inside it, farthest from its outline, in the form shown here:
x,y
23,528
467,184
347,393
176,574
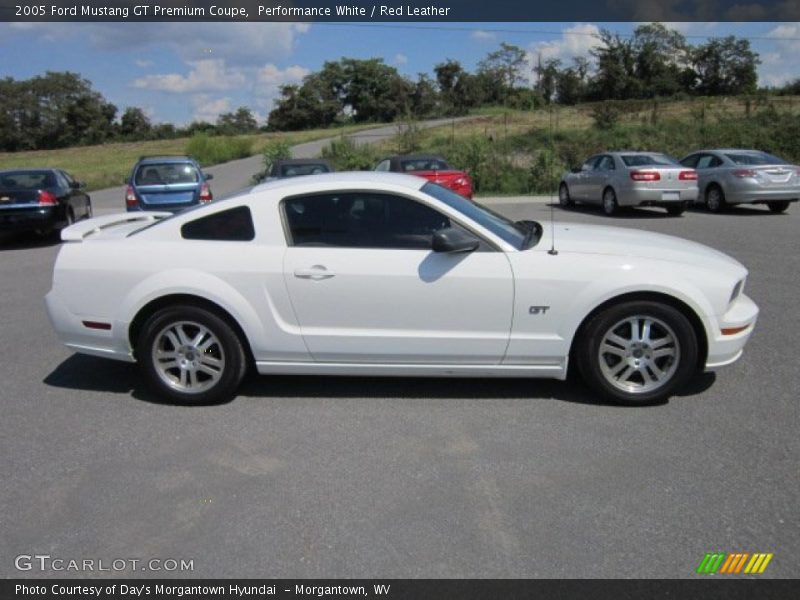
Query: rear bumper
x,y
726,349
107,343
758,196
31,219
656,197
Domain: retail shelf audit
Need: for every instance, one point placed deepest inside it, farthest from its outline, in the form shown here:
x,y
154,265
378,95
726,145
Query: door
x,y
598,178
366,287
579,180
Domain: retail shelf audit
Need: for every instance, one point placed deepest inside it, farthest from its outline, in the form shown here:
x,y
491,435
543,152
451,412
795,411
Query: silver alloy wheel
x,y
714,199
188,357
609,202
639,354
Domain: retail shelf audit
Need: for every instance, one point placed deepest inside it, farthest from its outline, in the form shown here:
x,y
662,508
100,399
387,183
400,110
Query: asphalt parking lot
x,y
305,477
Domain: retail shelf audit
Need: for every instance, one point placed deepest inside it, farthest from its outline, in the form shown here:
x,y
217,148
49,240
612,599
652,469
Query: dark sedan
x,y
41,200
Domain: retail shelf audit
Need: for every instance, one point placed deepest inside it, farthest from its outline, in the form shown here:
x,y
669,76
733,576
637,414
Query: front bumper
x,y
726,349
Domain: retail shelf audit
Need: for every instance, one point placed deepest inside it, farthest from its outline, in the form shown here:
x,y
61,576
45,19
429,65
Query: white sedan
x,y
386,274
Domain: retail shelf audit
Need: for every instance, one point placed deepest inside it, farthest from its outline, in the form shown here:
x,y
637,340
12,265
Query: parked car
x,y
620,179
433,168
166,183
296,167
735,176
385,274
41,200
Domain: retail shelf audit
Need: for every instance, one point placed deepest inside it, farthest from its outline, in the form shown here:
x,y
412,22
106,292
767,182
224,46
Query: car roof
x,y
751,150
416,157
302,161
343,179
146,160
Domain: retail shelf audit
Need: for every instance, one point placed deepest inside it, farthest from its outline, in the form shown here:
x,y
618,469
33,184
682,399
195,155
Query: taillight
x,y
205,193
645,175
744,173
130,197
47,198
687,176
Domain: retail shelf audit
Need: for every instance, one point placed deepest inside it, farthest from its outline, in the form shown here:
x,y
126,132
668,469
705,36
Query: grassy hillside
x,y
524,152
106,165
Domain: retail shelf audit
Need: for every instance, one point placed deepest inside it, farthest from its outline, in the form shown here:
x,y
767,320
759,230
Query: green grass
x,y
107,165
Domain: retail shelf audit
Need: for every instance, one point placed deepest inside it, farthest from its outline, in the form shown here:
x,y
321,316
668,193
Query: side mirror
x,y
451,239
576,169
208,176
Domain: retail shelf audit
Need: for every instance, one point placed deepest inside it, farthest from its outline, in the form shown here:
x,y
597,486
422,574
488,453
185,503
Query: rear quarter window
x,y
233,225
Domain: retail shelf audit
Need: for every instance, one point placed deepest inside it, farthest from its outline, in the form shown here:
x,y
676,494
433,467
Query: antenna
x,y
552,251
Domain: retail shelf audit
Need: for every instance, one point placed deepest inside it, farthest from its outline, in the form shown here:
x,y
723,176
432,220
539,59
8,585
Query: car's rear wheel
x,y
190,355
676,210
715,199
563,196
778,206
610,204
637,352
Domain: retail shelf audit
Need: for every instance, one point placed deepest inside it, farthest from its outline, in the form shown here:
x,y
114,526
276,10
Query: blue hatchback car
x,y
168,183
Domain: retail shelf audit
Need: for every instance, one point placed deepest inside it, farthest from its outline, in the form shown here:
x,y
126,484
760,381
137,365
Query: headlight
x,y
737,289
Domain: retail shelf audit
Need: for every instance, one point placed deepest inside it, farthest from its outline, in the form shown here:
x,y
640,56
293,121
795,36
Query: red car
x,y
432,168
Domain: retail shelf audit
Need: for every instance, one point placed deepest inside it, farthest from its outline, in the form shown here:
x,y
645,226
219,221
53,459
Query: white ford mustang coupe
x,y
386,274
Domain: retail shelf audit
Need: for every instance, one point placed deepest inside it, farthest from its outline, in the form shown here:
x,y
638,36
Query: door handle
x,y
316,273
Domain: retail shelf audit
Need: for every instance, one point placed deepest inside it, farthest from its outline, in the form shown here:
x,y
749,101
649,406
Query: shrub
x,y
209,150
346,155
605,115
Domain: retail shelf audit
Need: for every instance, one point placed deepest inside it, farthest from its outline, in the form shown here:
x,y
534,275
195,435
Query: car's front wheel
x,y
190,355
715,199
610,204
564,198
637,352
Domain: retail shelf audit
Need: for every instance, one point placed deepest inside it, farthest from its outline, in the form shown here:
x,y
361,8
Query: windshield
x,y
754,158
424,164
165,174
309,169
26,180
515,234
648,160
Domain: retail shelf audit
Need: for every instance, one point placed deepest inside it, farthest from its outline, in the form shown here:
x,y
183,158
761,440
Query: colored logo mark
x,y
741,562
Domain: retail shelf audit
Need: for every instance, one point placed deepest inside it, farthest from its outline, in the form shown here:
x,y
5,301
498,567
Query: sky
x,y
180,72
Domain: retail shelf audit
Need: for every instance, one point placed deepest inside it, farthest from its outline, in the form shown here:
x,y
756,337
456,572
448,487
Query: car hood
x,y
619,241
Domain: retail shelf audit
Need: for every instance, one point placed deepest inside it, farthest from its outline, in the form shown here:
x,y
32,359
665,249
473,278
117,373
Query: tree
x,y
459,90
424,98
615,78
237,123
547,75
507,63
134,124
725,66
662,59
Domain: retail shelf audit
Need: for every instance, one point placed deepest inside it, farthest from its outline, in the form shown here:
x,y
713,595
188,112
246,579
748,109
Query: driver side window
x,y
361,220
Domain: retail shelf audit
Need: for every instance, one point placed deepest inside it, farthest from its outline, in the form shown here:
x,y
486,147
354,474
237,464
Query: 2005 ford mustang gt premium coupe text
x,y
388,274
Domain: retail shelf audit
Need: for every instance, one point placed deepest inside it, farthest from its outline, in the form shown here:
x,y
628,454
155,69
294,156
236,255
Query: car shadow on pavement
x,y
93,374
623,213
740,210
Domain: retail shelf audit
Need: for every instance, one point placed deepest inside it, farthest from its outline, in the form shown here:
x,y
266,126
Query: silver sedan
x,y
619,179
744,177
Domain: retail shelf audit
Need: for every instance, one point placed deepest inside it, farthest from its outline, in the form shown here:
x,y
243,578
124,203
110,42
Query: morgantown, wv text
x,y
179,591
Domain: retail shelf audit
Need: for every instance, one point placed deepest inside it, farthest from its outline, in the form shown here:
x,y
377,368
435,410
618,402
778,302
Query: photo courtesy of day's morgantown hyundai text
x,y
389,274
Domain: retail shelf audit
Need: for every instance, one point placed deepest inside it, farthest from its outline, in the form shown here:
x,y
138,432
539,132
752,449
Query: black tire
x,y
609,202
677,210
637,365
715,199
89,211
564,198
778,206
224,355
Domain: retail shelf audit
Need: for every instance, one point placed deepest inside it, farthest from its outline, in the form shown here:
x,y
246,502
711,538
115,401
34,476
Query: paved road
x,y
233,176
327,477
